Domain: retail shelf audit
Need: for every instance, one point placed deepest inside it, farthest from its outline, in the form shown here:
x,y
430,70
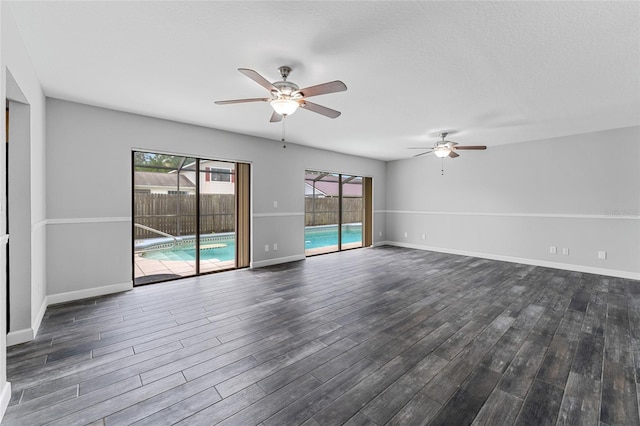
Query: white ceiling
x,y
492,72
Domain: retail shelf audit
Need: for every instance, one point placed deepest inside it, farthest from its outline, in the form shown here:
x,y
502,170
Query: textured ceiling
x,y
492,72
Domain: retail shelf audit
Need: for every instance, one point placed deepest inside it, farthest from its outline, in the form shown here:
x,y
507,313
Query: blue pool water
x,y
188,252
314,237
323,236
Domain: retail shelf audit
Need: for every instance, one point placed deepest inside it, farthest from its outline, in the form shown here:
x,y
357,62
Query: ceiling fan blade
x,y
327,112
422,153
253,75
477,147
324,88
419,147
453,154
275,117
241,101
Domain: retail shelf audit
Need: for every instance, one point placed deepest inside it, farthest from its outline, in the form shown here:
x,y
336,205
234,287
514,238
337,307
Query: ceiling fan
x,y
286,96
445,148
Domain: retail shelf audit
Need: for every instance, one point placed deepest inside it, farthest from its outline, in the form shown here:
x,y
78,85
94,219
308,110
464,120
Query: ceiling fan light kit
x,y
284,106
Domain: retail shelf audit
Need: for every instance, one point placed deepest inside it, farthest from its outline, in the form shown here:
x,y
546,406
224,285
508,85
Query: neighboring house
x,y
327,186
218,177
162,183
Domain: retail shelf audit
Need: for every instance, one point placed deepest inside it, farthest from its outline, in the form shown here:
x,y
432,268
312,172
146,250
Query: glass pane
x,y
321,212
164,215
217,216
352,212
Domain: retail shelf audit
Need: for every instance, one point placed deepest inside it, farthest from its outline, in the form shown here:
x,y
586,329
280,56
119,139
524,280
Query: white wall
x,y
89,231
19,83
513,202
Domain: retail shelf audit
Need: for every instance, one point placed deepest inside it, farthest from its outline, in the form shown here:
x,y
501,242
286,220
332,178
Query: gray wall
x,y
513,202
89,190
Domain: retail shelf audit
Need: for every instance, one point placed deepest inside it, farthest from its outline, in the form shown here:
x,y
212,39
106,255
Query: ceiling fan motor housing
x,y
286,88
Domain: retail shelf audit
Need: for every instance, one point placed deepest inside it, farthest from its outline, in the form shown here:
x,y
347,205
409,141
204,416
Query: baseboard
x,y
5,397
525,261
277,261
20,336
53,299
38,319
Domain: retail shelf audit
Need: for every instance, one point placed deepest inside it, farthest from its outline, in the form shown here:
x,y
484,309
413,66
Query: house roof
x,y
160,179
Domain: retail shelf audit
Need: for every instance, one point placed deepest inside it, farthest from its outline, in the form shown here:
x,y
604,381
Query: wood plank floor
x,y
371,336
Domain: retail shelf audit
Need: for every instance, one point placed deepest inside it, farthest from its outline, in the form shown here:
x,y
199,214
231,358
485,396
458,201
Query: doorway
x,y
337,212
190,216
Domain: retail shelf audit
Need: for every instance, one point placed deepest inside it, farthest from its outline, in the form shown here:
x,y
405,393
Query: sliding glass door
x,y
185,216
335,212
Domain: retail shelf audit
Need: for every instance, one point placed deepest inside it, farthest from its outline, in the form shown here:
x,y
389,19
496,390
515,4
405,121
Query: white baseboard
x,y
5,397
53,299
20,336
38,319
277,261
533,262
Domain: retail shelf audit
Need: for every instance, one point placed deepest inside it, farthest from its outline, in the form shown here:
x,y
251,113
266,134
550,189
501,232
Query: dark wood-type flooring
x,y
370,336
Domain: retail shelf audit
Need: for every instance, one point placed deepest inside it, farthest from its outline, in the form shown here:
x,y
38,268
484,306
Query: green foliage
x,y
160,163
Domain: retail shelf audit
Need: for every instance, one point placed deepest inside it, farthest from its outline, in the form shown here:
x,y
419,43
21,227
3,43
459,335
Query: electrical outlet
x,y
602,255
380,234
565,251
406,235
553,250
424,236
275,246
275,204
266,247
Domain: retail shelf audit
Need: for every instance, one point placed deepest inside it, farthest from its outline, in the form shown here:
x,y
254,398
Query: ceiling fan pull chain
x,y
442,167
284,118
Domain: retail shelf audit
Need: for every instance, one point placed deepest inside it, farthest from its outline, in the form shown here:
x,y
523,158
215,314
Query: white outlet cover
x,y
553,249
565,251
602,255
275,247
266,247
406,235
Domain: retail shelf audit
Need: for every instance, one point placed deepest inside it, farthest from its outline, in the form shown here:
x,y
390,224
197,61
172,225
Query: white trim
x,y
4,239
284,214
38,225
277,261
507,214
5,397
67,221
38,320
533,262
53,299
20,336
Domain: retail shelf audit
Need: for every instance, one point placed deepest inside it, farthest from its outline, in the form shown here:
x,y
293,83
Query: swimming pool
x,y
223,247
327,235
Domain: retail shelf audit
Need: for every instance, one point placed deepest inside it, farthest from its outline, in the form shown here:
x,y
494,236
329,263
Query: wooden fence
x,y
324,211
176,215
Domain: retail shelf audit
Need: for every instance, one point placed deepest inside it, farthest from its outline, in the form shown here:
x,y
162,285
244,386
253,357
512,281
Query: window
x,y
218,175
